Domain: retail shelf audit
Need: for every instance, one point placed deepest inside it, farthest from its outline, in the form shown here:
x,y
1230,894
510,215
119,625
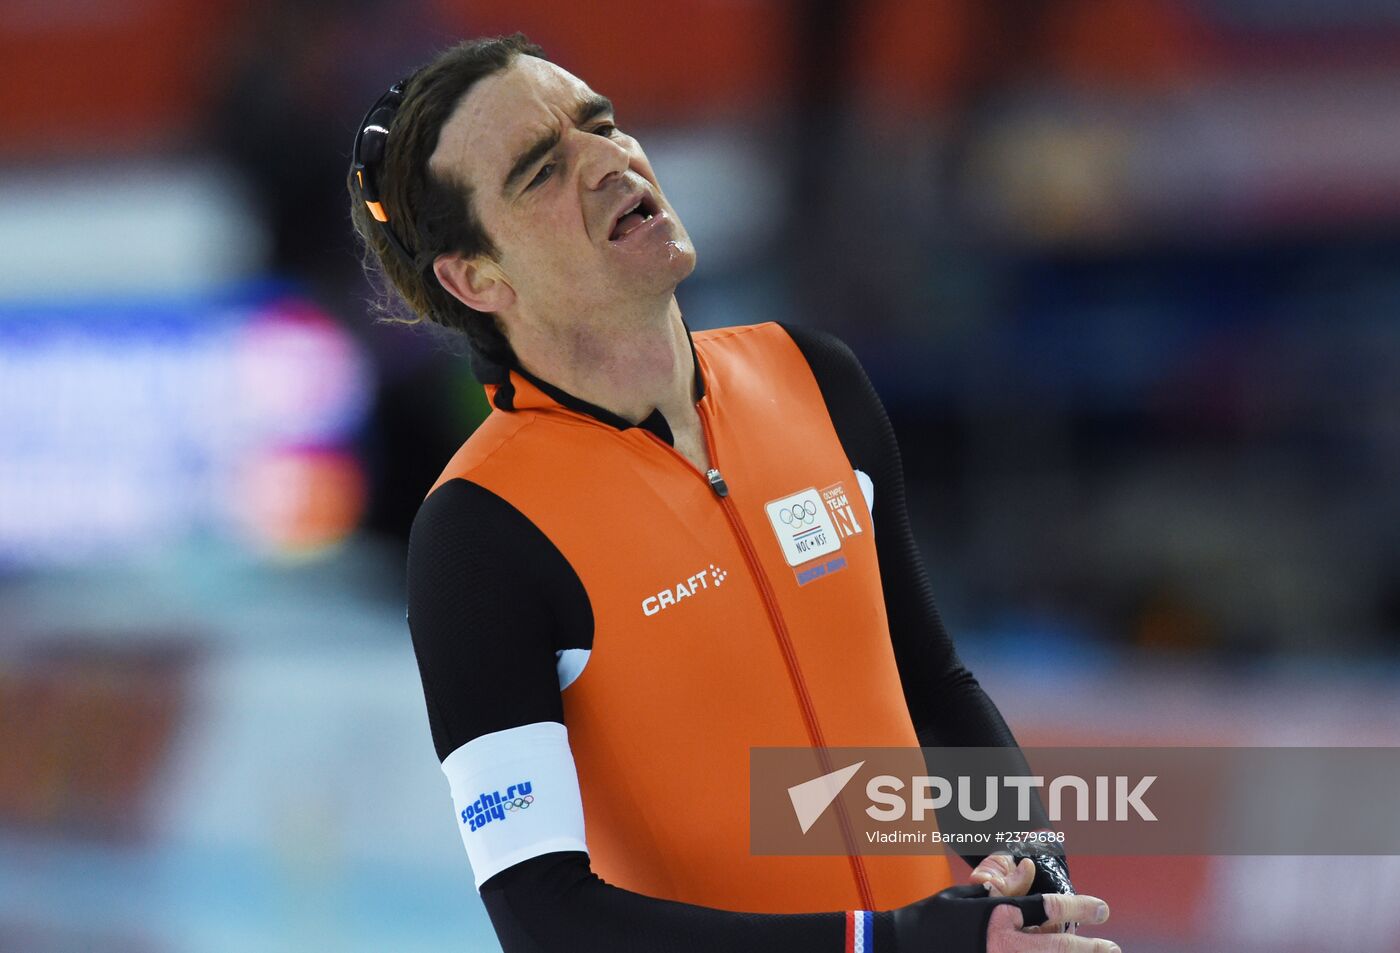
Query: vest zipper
x,y
715,479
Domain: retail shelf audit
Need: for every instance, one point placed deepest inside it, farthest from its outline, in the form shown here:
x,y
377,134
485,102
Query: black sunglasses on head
x,y
367,159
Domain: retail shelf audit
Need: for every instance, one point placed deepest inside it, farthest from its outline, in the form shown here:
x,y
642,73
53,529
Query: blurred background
x,y
1126,273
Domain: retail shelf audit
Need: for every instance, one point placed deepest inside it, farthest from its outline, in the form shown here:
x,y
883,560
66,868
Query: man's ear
x,y
476,282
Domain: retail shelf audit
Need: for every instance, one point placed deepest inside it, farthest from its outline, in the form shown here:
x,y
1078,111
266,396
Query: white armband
x,y
517,796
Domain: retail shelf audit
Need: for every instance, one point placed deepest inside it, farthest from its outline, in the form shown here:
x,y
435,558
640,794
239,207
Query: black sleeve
x,y
555,902
477,568
525,903
946,703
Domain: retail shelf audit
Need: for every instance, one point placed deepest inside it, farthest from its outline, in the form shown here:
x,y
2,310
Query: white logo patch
x,y
843,514
803,526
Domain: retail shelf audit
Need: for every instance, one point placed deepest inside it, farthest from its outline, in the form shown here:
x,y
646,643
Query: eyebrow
x,y
590,107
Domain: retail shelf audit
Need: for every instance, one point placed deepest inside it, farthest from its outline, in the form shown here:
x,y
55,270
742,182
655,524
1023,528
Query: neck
x,y
630,367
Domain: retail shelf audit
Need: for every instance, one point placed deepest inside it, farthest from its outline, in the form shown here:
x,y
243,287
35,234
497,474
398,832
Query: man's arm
x,y
946,702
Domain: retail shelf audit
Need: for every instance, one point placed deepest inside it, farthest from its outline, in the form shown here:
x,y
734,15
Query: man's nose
x,y
600,160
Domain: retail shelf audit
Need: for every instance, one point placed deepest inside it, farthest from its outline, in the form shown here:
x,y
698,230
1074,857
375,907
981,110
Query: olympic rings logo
x,y
799,514
520,803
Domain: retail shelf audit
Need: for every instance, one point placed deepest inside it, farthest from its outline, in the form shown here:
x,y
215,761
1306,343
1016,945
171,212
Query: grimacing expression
x,y
568,198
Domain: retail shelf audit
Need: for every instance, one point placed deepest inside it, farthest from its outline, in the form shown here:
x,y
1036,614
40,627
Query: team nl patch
x,y
804,527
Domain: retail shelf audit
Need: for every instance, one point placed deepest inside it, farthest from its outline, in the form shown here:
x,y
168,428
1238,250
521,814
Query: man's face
x,y
557,185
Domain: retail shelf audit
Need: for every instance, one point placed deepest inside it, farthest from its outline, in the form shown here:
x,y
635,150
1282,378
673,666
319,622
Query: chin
x,y
682,258
669,264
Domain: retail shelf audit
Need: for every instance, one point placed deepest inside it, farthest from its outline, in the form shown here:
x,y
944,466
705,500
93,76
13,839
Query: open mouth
x,y
634,216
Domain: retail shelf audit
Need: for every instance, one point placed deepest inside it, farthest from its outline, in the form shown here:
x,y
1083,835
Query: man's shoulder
x,y
711,335
816,344
486,442
454,506
461,515
825,352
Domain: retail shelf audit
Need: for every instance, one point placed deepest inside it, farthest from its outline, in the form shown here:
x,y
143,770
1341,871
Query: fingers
x,y
991,873
1003,877
1074,908
1060,943
994,865
1068,943
1004,936
1053,928
1059,908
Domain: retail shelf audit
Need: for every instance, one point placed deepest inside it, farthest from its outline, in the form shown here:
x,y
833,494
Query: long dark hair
x,y
429,215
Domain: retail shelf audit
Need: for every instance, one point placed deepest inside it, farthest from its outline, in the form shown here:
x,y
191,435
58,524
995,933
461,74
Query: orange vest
x,y
707,641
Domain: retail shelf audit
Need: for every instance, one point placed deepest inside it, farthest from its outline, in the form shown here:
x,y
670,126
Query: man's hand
x,y
967,919
1006,933
1003,877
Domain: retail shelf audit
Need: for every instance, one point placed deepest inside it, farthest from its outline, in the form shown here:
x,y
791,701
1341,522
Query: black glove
x,y
955,920
1051,874
1051,871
